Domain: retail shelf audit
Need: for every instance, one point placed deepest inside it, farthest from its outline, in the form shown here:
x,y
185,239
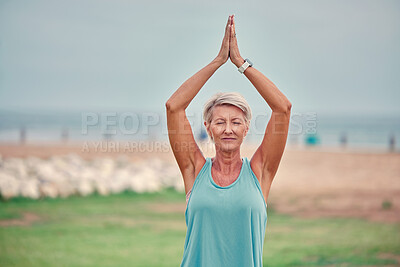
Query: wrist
x,y
218,62
247,63
239,62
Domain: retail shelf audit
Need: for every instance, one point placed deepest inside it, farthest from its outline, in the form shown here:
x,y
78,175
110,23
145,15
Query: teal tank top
x,y
225,225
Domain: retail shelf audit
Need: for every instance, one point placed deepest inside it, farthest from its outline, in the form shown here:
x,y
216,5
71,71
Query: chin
x,y
227,146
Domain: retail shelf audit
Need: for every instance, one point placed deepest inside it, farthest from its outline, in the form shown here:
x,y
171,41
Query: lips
x,y
228,139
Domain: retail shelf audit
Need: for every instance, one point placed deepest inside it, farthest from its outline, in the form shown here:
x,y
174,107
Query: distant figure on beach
x,y
22,135
392,143
343,140
64,135
226,195
107,137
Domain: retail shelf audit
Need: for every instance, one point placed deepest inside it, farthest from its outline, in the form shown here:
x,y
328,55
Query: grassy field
x,y
149,230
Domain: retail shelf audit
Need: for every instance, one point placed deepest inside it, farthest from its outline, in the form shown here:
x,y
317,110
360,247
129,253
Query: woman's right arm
x,y
181,138
184,147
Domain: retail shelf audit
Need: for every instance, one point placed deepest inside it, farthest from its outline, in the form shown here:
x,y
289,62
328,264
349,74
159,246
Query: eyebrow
x,y
234,118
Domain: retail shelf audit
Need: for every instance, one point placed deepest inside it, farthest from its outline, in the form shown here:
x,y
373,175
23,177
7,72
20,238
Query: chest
x,y
244,197
226,209
224,179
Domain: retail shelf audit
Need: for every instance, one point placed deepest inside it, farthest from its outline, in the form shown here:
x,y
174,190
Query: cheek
x,y
242,131
217,129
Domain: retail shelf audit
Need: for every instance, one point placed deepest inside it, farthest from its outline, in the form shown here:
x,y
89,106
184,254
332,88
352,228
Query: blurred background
x,y
83,137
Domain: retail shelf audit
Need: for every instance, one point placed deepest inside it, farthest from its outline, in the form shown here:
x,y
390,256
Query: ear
x,y
205,125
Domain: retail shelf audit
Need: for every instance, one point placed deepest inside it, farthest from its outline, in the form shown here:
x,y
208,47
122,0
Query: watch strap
x,y
247,63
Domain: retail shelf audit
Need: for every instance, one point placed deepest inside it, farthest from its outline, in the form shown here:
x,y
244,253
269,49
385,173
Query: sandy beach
x,y
310,182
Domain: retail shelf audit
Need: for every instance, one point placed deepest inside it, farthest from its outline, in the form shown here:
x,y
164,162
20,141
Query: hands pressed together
x,y
229,48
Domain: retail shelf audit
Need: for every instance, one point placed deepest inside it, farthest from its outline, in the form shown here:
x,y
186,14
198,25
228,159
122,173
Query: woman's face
x,y
228,127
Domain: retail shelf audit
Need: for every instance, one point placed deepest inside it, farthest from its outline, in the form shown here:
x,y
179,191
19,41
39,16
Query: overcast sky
x,y
325,56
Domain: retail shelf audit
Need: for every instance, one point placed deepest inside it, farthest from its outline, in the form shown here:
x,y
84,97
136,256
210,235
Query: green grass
x,y
129,230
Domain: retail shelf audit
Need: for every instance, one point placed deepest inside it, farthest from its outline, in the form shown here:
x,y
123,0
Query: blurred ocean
x,y
369,132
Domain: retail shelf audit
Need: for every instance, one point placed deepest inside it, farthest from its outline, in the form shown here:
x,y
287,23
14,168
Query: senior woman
x,y
226,213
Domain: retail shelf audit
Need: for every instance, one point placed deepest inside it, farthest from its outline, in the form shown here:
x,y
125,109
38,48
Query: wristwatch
x,y
247,63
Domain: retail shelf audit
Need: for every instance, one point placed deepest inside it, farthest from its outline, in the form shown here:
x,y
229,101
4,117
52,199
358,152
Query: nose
x,y
228,128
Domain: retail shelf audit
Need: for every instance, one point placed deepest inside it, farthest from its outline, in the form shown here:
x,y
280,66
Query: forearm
x,y
189,89
268,90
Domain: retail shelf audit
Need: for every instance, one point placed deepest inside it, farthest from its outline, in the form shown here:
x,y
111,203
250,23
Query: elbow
x,y
286,108
170,107
173,107
167,105
289,106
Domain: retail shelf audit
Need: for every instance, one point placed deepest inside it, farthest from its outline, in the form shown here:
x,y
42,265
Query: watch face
x,y
248,60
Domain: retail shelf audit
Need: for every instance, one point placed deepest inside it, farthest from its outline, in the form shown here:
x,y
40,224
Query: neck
x,y
227,161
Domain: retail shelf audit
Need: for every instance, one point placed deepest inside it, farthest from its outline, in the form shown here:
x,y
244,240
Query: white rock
x,y
85,188
9,186
70,174
104,165
137,186
29,188
75,160
120,181
145,180
48,189
16,166
102,188
66,189
45,170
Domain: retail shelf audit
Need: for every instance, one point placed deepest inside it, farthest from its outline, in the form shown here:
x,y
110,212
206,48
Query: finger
x,y
233,24
228,22
231,39
227,29
232,28
232,33
233,43
227,32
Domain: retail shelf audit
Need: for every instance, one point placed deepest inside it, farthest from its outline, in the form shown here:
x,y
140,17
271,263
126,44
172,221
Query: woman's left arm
x,y
267,157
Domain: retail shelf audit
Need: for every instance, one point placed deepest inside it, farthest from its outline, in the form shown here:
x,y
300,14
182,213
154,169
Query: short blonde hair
x,y
230,98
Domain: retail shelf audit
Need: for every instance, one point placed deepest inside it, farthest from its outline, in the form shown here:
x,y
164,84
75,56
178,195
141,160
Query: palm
x,y
234,53
223,54
229,47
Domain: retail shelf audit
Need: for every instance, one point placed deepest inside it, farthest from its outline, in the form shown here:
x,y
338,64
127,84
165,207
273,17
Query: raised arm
x,y
184,147
267,157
